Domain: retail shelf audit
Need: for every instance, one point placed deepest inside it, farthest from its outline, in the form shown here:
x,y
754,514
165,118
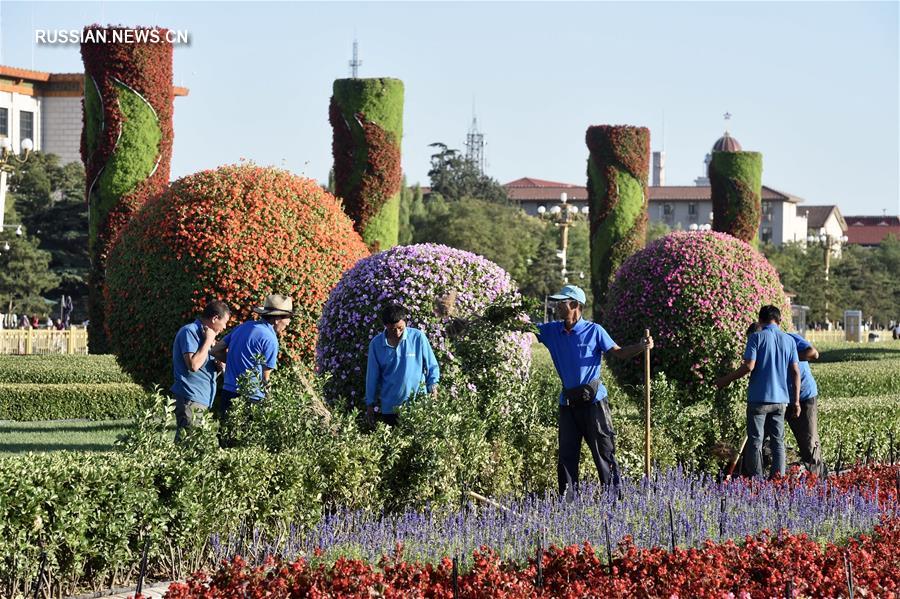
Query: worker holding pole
x,y
577,347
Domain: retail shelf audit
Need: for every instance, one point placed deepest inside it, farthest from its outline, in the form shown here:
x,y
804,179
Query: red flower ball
x,y
236,233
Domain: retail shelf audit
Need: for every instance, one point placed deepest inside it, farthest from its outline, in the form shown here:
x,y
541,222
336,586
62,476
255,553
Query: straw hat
x,y
276,305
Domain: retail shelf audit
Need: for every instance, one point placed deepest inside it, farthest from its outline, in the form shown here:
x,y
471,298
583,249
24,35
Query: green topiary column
x,y
617,172
736,182
367,118
126,141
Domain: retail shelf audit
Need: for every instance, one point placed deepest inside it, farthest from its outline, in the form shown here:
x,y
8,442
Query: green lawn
x,y
58,435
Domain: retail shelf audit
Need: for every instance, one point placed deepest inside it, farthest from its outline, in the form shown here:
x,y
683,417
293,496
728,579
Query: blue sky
x,y
813,86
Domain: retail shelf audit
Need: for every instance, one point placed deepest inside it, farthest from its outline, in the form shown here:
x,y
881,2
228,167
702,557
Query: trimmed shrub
x,y
104,401
237,233
60,369
697,293
416,276
367,118
855,379
126,142
617,192
735,180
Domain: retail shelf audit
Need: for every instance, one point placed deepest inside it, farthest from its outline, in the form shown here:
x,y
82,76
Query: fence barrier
x,y
43,341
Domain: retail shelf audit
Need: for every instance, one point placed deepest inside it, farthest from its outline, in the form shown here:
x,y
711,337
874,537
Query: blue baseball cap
x,y
570,292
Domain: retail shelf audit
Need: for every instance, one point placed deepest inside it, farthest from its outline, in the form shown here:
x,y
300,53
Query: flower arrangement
x,y
421,278
617,187
696,292
236,233
735,180
738,539
126,144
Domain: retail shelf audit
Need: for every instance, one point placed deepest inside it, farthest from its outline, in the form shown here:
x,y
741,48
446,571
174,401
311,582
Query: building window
x,y
26,125
4,122
767,211
692,209
667,209
766,234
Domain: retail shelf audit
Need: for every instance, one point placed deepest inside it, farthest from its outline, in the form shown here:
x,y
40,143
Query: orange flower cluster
x,y
236,233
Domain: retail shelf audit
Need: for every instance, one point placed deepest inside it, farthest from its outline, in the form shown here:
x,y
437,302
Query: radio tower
x,y
355,63
475,144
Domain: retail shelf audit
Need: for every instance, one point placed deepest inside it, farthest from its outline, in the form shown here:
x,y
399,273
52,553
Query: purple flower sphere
x,y
696,292
415,276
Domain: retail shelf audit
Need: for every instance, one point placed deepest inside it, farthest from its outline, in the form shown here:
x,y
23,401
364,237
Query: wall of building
x,y
680,216
62,127
16,103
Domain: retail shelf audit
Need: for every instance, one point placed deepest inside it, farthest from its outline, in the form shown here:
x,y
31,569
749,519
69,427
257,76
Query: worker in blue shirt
x,y
194,369
805,426
770,358
253,348
577,347
399,358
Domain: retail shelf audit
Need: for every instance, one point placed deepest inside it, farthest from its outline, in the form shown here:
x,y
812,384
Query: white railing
x,y
43,341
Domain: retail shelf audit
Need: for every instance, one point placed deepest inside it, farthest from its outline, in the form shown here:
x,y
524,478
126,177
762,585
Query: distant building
x,y
871,230
782,218
45,108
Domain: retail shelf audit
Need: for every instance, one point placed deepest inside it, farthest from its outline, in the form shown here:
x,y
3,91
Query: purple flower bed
x,y
414,276
696,292
702,509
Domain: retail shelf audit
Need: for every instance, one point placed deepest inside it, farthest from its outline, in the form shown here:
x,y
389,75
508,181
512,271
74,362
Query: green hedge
x,y
61,369
858,379
853,423
735,180
40,401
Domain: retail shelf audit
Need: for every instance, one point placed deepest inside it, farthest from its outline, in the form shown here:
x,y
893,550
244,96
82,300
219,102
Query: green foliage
x,y
851,425
657,230
24,274
60,369
40,401
501,233
411,206
455,177
383,228
736,186
132,161
857,379
93,115
58,217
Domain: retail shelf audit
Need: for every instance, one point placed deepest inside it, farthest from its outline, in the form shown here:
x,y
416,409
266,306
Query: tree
x,y
411,206
24,275
501,233
48,200
455,177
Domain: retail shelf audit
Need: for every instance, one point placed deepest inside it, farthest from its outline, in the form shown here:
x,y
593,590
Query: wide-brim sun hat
x,y
276,305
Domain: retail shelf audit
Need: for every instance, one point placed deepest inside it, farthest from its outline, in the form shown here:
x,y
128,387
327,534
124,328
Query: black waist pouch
x,y
582,394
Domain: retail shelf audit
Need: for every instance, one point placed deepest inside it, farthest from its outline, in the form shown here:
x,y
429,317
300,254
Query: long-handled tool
x,y
736,459
647,406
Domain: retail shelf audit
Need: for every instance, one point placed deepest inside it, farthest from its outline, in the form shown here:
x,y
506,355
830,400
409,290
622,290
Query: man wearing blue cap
x,y
577,347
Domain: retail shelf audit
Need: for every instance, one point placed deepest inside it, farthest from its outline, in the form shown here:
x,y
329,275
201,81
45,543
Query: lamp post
x,y
563,215
827,242
8,162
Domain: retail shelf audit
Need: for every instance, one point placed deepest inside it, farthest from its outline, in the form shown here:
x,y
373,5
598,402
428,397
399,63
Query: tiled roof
x,y
817,216
855,221
528,182
529,189
871,234
871,230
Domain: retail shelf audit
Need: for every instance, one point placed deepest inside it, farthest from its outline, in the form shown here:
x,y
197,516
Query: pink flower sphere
x,y
697,292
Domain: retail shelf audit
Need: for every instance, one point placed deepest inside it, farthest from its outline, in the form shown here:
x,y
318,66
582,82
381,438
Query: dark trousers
x,y
806,430
184,414
593,423
388,419
226,398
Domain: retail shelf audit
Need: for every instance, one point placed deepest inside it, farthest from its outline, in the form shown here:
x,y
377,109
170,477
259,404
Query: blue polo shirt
x,y
808,386
576,354
197,386
393,374
251,339
774,351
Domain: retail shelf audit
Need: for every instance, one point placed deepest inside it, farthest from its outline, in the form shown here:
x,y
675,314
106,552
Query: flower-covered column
x,y
735,179
126,142
617,193
367,118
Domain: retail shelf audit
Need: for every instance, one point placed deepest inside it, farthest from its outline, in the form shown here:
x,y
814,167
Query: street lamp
x,y
563,215
827,242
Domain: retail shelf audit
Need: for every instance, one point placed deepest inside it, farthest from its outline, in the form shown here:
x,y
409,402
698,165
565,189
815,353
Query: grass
x,y
60,435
